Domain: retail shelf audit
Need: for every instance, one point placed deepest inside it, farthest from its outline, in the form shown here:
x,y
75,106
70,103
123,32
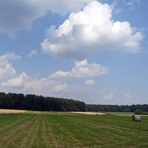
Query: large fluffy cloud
x,y
6,68
82,69
92,29
19,14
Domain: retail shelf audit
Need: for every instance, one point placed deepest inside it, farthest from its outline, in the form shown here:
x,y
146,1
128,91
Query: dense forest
x,y
40,103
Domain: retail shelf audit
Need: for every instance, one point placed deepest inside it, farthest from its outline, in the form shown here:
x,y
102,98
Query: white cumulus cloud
x,y
92,29
27,84
54,84
60,87
6,67
82,69
16,82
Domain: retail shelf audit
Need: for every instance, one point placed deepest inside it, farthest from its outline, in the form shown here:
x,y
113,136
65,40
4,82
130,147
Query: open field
x,y
43,130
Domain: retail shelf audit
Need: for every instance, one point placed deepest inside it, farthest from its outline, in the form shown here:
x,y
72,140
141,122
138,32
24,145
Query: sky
x,y
89,50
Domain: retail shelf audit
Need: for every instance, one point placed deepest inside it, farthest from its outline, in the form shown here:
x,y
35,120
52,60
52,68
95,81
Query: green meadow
x,y
70,130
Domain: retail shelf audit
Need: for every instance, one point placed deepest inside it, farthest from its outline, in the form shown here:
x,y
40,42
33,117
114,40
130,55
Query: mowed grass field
x,y
69,130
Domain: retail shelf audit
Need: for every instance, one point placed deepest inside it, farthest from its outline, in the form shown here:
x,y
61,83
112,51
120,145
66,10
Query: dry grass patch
x,y
90,113
9,111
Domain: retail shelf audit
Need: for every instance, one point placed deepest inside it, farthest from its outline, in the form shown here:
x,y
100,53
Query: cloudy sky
x,y
94,51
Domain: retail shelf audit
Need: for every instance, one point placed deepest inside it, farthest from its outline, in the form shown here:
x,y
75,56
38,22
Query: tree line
x,y
117,108
39,103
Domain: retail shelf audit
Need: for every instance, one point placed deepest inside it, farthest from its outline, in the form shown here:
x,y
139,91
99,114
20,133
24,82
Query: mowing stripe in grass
x,y
10,126
86,127
130,134
29,135
50,136
83,132
9,136
65,136
78,131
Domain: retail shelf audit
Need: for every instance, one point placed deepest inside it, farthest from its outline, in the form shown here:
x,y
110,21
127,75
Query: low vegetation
x,y
45,130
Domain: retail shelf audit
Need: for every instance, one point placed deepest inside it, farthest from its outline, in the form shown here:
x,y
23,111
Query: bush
x,y
139,112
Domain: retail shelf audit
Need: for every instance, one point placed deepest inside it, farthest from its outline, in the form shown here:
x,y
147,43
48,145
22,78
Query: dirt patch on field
x,y
9,111
90,113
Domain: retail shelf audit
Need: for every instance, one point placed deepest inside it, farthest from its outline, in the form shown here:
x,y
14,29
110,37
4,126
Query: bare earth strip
x,y
9,111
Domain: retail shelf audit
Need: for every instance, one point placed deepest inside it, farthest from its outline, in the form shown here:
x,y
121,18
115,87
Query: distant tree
x,y
138,111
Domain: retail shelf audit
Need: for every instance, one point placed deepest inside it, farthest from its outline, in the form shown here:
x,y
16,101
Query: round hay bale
x,y
136,118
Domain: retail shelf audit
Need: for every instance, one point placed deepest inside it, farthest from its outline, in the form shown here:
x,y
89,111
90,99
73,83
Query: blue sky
x,y
94,51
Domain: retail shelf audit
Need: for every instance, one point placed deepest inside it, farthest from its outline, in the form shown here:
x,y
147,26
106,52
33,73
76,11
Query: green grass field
x,y
43,130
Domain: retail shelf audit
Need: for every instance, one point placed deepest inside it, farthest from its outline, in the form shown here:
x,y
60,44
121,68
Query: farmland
x,y
45,130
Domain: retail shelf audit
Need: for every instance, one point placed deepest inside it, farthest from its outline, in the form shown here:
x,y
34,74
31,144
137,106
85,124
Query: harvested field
x,y
34,130
9,111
